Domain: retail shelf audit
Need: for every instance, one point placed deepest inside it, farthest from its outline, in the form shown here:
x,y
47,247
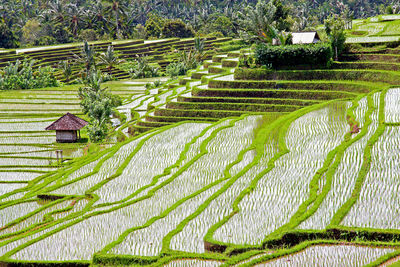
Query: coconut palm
x,y
57,9
97,17
109,59
257,22
87,57
75,16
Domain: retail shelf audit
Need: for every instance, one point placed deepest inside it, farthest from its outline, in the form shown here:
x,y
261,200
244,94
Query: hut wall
x,y
66,136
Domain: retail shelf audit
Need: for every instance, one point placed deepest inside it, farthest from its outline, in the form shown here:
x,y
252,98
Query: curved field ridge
x,y
339,255
281,191
392,102
344,178
377,206
228,166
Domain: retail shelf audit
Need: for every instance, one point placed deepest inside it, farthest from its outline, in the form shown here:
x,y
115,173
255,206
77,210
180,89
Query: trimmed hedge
x,y
313,55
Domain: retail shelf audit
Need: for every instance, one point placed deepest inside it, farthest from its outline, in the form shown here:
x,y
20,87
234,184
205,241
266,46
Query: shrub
x,y
294,55
139,32
97,103
7,37
140,68
335,30
154,25
223,25
176,69
45,40
215,34
88,35
62,34
23,76
31,31
177,28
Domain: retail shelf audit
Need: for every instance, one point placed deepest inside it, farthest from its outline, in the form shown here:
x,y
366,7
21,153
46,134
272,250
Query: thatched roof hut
x,y
67,128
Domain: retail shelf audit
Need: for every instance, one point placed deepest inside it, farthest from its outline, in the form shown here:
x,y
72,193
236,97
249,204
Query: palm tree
x,y
56,8
66,68
97,17
110,59
118,8
87,58
75,15
257,22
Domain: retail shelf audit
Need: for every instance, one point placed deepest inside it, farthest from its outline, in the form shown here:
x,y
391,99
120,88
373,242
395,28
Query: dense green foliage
x,y
334,28
46,22
176,28
7,37
98,104
141,68
315,55
23,76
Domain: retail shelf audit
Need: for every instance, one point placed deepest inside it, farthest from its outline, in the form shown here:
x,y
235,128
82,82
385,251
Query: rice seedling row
x,y
192,263
137,214
345,176
158,152
338,255
148,241
281,191
18,176
191,237
392,101
80,185
36,218
126,243
377,204
13,212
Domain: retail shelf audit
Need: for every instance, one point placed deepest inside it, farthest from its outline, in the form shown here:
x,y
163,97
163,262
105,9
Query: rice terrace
x,y
199,133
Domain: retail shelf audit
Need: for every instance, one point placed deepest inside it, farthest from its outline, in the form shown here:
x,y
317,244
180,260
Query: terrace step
x,y
244,100
224,106
290,93
177,119
217,114
283,85
394,58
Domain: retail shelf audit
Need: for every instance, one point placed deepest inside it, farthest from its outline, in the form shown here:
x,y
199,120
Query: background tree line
x,y
46,22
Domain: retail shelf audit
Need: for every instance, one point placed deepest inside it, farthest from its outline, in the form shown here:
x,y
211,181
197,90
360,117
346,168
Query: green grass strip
x,y
344,210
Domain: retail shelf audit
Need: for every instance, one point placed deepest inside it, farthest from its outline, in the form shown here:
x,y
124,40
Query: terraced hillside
x,y
155,50
377,30
229,167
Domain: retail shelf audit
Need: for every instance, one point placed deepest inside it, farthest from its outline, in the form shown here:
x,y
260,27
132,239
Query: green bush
x,y
45,40
98,104
140,68
7,37
293,55
176,69
88,35
154,25
177,28
139,32
23,76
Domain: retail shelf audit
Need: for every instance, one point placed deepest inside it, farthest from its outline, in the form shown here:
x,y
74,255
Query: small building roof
x,y
305,37
68,122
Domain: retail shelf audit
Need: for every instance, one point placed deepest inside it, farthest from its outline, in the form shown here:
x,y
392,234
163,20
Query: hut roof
x,y
305,37
68,122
